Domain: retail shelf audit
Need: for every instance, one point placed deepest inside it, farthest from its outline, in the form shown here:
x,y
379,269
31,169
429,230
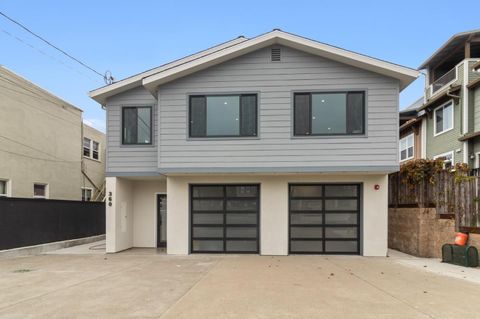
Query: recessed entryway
x,y
324,218
224,218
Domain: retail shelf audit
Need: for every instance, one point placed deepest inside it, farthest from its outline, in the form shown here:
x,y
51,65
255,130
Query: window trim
x,y
7,187
124,107
47,192
346,91
400,150
91,196
435,134
213,137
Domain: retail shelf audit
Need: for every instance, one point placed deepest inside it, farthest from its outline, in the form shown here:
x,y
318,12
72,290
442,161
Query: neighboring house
x,y
411,145
450,112
93,164
273,145
41,144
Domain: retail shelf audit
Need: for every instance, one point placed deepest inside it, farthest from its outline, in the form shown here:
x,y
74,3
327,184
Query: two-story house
x,y
41,154
449,116
276,144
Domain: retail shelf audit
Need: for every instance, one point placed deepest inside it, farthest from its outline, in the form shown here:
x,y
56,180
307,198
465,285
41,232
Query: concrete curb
x,y
43,248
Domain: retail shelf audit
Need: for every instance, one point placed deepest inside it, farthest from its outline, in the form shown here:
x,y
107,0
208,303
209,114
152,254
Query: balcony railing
x,y
444,80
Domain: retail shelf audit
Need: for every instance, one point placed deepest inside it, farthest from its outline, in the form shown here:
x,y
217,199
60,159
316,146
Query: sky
x,y
128,37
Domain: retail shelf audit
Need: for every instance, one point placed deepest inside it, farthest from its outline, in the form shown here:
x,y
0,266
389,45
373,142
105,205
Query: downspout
x,y
465,127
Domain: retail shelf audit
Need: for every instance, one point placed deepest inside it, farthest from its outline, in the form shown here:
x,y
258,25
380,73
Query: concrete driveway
x,y
144,284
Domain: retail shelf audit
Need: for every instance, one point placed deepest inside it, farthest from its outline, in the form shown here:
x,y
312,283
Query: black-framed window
x,y
329,113
137,125
223,115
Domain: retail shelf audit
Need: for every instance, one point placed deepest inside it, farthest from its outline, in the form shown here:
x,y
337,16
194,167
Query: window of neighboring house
x,y
406,147
40,190
443,118
86,194
447,159
86,147
137,125
91,148
329,113
3,188
95,150
223,115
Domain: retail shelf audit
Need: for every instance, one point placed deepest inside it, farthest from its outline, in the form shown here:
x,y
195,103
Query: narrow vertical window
x,y
95,150
86,147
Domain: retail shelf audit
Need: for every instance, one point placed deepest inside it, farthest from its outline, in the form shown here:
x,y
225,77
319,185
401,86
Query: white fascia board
x,y
403,74
101,94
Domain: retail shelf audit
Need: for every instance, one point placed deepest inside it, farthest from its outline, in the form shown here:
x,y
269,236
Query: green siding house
x,y
450,112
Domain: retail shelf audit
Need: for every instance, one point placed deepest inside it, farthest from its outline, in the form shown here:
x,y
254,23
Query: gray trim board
x,y
316,169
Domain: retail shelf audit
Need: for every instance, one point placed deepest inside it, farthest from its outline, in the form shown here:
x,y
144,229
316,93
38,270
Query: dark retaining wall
x,y
27,222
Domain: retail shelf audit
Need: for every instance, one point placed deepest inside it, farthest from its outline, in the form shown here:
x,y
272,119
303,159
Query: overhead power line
x,y
104,76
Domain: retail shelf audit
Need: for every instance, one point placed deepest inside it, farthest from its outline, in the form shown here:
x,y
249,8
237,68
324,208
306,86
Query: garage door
x,y
324,219
224,218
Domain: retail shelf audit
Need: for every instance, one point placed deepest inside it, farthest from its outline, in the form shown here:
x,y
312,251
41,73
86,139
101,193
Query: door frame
x,y
155,217
360,221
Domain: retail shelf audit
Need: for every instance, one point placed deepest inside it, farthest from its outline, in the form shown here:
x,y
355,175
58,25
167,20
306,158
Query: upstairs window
x,y
407,147
329,113
95,150
91,149
137,125
86,147
223,115
443,118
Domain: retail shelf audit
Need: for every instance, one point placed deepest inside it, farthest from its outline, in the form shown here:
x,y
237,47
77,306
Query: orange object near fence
x,y
461,239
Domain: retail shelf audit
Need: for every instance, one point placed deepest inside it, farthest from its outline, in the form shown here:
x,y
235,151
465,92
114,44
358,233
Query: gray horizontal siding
x,y
274,147
123,158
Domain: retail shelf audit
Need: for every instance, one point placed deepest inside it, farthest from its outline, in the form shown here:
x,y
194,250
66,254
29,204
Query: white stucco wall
x,y
274,209
119,216
145,212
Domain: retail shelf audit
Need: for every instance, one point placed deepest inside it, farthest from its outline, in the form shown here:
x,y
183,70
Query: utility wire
x,y
50,44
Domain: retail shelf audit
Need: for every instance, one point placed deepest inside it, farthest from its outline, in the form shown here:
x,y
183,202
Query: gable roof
x,y
240,46
448,47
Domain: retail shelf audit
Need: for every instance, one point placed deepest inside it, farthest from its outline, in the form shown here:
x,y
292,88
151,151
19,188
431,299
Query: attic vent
x,y
276,55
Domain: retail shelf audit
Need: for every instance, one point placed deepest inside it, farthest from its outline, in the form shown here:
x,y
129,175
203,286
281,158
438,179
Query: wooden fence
x,y
450,195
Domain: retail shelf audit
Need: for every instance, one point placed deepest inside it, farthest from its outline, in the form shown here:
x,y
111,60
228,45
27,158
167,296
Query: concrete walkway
x,y
149,284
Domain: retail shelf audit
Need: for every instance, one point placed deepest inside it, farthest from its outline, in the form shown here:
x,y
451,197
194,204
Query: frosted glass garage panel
x,y
207,204
241,245
341,190
313,246
339,219
306,204
341,246
306,232
341,204
216,232
242,232
207,245
341,232
241,218
207,219
306,219
306,191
